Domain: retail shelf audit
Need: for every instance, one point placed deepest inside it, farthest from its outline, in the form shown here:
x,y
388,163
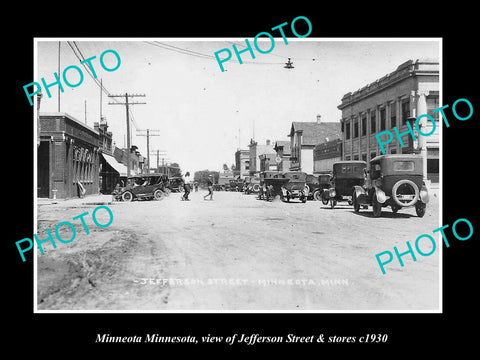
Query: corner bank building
x,y
409,91
68,157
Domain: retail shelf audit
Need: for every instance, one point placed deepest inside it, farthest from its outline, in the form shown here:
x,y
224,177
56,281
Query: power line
x,y
202,55
81,58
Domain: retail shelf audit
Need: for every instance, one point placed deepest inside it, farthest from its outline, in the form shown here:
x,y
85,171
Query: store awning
x,y
120,168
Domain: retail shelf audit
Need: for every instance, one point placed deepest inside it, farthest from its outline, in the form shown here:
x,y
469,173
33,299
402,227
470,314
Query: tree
x,y
225,167
174,170
232,167
202,176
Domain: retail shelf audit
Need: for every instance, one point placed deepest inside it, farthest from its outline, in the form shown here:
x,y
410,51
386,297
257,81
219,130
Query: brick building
x,y
67,157
325,154
409,91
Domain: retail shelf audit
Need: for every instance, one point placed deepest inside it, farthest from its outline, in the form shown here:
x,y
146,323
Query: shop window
x,y
373,122
393,115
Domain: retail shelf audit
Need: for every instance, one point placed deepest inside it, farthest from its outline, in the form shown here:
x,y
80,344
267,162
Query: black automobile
x,y
142,187
394,180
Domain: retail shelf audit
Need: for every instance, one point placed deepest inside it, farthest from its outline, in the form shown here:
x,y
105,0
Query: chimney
x,y
319,119
268,142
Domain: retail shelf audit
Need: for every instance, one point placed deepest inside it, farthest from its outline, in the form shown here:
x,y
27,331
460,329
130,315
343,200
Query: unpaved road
x,y
236,253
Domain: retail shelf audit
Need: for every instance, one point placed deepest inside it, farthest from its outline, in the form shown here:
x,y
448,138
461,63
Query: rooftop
x,y
315,133
405,70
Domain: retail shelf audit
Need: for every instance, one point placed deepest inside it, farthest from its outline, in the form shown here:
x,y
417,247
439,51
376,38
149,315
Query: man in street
x,y
210,187
186,188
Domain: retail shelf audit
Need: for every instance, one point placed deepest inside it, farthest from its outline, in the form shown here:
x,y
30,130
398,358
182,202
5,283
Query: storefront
x,y
111,173
67,157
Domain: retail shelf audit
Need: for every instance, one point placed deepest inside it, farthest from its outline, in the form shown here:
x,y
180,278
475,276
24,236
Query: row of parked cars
x,y
394,180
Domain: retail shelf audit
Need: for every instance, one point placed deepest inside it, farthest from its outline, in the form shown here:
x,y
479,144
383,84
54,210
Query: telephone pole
x,y
158,153
148,133
126,103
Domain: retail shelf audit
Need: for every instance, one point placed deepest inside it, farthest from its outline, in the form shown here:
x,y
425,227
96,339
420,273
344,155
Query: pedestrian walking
x,y
186,189
210,188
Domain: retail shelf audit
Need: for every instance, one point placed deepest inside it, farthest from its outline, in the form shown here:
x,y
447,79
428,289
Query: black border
x,y
407,332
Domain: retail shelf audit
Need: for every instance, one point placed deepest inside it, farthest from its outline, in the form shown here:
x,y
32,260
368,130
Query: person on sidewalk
x,y
210,188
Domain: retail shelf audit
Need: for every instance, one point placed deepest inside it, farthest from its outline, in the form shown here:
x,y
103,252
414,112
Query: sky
x,y
203,115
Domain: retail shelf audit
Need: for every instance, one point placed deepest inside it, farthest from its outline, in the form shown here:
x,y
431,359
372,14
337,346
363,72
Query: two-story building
x,y
255,150
304,136
67,157
282,148
242,163
409,91
325,155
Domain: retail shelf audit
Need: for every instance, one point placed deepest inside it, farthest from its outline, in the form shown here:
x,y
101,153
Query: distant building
x,y
110,169
409,91
304,136
267,162
325,154
282,148
255,151
136,160
67,157
242,163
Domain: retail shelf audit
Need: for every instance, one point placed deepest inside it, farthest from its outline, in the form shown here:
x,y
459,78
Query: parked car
x,y
345,175
142,187
175,184
253,186
314,186
295,187
394,180
271,183
324,181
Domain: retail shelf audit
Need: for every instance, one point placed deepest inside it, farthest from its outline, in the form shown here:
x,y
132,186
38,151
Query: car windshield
x,y
403,166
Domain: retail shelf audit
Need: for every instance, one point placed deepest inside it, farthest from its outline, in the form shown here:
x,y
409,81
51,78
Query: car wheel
x,y
420,208
127,196
256,188
377,207
317,195
356,205
158,194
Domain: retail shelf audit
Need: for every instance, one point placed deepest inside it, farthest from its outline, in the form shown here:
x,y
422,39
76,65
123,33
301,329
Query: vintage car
x,y
233,185
324,181
271,183
315,186
395,180
175,184
253,186
142,187
295,187
345,175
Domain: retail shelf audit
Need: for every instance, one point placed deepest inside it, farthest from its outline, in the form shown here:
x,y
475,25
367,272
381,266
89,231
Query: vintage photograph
x,y
169,179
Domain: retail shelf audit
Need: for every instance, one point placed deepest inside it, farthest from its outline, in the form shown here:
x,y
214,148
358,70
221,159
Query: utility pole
x,y
158,153
126,103
148,133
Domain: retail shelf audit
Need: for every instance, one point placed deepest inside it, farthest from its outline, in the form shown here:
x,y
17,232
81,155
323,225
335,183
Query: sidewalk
x,y
95,199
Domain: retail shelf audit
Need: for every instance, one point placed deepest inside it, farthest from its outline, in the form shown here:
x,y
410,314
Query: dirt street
x,y
236,253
